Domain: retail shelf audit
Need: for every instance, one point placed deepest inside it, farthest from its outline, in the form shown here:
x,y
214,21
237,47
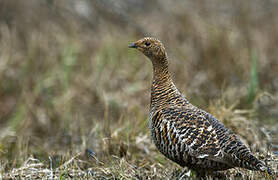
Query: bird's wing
x,y
192,127
235,152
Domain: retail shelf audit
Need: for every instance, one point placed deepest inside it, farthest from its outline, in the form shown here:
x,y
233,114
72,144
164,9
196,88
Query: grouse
x,y
184,133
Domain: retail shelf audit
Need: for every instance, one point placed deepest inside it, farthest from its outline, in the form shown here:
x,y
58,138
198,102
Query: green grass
x,y
253,83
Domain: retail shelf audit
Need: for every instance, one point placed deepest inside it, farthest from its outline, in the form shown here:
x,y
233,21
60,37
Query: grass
x,y
254,84
74,99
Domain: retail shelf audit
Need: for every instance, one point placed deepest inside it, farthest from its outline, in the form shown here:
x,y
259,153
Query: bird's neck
x,y
161,77
161,74
163,87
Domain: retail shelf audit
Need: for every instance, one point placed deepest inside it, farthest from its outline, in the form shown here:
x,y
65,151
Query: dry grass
x,y
74,100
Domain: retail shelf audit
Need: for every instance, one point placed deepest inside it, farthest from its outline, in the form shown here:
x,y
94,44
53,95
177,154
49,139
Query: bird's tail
x,y
253,163
264,168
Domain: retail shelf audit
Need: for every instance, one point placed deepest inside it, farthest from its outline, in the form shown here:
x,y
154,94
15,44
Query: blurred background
x,y
69,84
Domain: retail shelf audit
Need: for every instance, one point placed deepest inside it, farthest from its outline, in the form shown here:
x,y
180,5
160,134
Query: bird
x,y
184,133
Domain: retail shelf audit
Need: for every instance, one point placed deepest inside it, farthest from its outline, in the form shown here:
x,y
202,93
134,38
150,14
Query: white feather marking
x,y
192,144
210,128
202,156
168,126
217,153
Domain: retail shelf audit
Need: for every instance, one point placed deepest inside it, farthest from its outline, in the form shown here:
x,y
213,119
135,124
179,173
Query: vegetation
x,y
74,99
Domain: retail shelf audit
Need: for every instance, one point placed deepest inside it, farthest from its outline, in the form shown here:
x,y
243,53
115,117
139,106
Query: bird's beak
x,y
132,45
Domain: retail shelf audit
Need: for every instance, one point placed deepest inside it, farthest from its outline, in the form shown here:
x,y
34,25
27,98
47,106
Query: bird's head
x,y
152,48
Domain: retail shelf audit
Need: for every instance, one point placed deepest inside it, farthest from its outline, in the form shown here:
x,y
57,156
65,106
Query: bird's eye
x,y
147,43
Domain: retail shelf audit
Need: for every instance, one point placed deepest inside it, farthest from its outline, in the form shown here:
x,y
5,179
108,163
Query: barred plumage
x,y
184,133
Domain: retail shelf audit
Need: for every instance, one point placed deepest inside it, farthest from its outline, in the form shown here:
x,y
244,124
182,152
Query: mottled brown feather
x,y
184,133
